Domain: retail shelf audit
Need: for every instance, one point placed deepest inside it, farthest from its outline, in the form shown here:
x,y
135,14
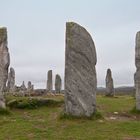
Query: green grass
x,y
44,123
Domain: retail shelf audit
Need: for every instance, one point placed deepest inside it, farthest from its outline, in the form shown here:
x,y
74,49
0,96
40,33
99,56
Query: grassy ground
x,y
44,123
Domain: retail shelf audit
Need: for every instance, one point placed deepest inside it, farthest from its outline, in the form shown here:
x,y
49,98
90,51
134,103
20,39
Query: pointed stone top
x,y
12,69
75,26
109,72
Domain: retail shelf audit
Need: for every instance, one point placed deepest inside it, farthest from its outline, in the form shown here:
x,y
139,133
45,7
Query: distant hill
x,y
123,90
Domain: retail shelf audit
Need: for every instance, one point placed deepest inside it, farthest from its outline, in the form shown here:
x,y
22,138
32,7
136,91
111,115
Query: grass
x,y
4,111
44,123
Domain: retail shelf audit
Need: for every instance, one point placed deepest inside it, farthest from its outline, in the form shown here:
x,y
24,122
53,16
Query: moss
x,y
27,103
95,116
70,25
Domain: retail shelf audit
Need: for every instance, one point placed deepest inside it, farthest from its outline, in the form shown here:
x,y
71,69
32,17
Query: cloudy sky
x,y
36,36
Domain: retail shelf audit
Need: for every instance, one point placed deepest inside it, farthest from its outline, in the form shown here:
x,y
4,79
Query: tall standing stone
x,y
58,84
4,64
49,82
137,74
11,80
80,72
109,83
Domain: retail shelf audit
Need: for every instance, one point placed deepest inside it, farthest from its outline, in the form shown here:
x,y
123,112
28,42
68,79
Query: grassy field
x,y
44,123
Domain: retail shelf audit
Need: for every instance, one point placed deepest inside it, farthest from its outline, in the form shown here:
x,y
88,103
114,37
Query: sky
x,y
36,36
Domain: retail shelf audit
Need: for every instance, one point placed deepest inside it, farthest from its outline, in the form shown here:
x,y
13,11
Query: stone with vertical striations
x,y
109,83
4,64
137,74
58,84
80,72
11,80
49,82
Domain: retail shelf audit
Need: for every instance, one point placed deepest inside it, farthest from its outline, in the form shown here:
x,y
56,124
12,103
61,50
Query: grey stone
x,y
4,63
58,84
80,72
49,81
11,80
109,83
23,87
29,88
137,74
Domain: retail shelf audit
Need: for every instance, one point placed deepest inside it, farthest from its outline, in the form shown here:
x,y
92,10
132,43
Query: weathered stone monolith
x,y
23,87
4,64
49,82
109,83
11,80
29,88
58,84
137,74
80,72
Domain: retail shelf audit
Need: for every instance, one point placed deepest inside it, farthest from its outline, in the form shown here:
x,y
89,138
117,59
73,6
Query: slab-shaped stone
x,y
137,74
4,63
49,82
80,72
11,80
109,83
58,84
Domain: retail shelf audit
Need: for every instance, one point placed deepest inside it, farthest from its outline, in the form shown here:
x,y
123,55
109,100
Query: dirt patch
x,y
122,116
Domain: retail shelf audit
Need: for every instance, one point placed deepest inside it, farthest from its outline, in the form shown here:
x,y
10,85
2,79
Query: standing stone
x,y
109,83
23,87
29,88
11,80
58,84
80,72
49,81
4,64
137,74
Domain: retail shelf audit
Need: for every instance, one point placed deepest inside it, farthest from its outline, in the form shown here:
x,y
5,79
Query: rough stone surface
x,y
58,84
80,72
109,83
4,64
137,74
11,80
49,81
